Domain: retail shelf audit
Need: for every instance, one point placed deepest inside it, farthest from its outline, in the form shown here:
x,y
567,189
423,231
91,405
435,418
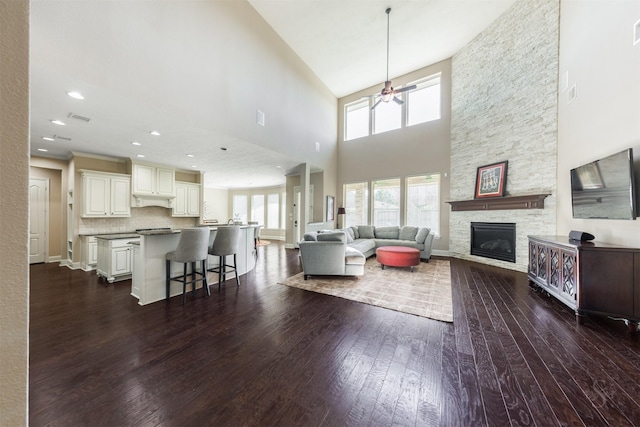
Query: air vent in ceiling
x,y
62,137
78,117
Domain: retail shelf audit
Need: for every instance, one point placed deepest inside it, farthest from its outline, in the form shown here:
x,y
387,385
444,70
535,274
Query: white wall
x,y
14,211
597,55
216,204
419,149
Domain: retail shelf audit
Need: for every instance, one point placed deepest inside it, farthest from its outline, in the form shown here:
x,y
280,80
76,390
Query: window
x,y
386,202
273,210
356,203
240,207
423,201
387,116
257,208
356,120
423,102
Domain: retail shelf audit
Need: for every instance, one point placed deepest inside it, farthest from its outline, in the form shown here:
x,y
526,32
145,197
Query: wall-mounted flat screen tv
x,y
605,188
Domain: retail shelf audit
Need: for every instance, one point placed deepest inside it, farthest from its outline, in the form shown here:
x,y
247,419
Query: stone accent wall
x,y
504,107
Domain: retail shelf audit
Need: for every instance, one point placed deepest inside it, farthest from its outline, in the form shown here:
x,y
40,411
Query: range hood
x,y
144,200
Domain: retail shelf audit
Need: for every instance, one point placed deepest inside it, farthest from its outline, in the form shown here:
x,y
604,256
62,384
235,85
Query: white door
x,y
38,211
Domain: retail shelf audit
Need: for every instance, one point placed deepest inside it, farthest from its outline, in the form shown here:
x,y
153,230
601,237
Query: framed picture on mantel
x,y
491,180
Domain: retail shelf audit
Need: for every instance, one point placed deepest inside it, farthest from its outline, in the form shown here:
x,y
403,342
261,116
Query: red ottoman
x,y
398,256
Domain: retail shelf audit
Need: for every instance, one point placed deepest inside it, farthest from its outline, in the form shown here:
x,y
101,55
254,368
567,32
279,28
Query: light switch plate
x,y
636,33
573,93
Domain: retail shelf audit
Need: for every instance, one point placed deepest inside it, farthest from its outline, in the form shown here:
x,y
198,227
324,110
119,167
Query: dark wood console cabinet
x,y
590,277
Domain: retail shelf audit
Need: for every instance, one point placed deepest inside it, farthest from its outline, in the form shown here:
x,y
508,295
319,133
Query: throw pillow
x,y
310,236
366,231
388,232
355,232
408,232
333,236
350,235
422,235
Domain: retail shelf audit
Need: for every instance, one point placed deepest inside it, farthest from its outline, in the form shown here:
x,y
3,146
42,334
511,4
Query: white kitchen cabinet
x,y
89,253
151,180
115,257
187,201
105,194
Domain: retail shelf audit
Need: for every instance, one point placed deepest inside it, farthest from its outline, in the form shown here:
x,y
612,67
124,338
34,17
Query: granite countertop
x,y
117,236
157,232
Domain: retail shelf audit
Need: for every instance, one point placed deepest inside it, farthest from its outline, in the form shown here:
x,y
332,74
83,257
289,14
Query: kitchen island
x,y
148,280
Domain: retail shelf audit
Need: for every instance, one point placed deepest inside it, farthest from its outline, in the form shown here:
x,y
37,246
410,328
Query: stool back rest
x,y
193,245
226,241
256,232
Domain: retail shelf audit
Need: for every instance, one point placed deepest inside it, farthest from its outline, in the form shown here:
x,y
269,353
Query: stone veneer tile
x,y
504,107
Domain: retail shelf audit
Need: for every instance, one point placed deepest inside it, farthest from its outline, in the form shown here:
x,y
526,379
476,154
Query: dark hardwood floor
x,y
268,355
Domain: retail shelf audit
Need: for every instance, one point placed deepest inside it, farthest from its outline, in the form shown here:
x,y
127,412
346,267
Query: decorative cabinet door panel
x,y
95,195
120,197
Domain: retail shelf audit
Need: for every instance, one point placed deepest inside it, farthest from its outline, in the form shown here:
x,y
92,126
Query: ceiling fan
x,y
388,93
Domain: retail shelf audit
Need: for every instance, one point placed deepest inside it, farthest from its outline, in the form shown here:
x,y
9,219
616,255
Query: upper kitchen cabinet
x,y
152,180
187,202
152,185
105,194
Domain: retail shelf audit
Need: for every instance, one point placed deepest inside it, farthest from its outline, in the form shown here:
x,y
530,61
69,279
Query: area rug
x,y
426,292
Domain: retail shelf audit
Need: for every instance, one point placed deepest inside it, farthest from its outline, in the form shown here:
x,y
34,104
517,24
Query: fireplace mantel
x,y
532,201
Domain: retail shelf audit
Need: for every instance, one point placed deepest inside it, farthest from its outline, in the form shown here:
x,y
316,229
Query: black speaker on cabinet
x,y
580,235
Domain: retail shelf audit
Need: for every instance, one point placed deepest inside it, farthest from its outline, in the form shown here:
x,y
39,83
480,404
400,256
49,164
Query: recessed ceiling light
x,y
135,143
58,122
140,155
76,95
155,133
190,155
43,150
48,138
194,166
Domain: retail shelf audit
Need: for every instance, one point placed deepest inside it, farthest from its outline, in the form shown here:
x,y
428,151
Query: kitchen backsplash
x,y
148,217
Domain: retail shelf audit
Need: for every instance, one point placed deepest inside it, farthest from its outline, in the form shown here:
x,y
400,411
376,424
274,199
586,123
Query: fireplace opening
x,y
494,240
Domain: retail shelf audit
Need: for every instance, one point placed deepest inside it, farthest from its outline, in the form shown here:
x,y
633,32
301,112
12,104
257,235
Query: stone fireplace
x,y
494,240
504,106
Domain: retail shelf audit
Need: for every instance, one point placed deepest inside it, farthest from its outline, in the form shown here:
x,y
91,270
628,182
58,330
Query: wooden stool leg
x,y
184,283
205,283
220,267
193,278
235,270
168,276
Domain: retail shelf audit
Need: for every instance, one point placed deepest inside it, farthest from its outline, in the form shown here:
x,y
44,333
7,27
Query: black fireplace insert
x,y
494,240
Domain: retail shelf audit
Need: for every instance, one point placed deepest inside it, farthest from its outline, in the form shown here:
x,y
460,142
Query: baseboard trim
x,y
440,253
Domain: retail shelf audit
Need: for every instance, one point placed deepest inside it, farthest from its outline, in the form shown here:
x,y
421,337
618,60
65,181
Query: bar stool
x,y
224,244
192,248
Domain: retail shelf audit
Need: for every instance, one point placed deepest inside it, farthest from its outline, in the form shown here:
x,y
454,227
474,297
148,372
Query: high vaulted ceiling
x,y
343,42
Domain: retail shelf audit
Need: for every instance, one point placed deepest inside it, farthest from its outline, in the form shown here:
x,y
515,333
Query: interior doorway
x,y
297,214
38,219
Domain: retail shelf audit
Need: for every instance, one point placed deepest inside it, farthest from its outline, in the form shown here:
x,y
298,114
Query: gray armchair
x,y
330,256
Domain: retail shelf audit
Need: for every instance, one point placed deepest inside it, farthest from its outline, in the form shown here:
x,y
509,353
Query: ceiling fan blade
x,y
404,89
376,104
398,100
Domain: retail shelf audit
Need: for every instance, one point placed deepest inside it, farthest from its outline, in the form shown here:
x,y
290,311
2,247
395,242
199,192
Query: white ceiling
x,y
343,42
